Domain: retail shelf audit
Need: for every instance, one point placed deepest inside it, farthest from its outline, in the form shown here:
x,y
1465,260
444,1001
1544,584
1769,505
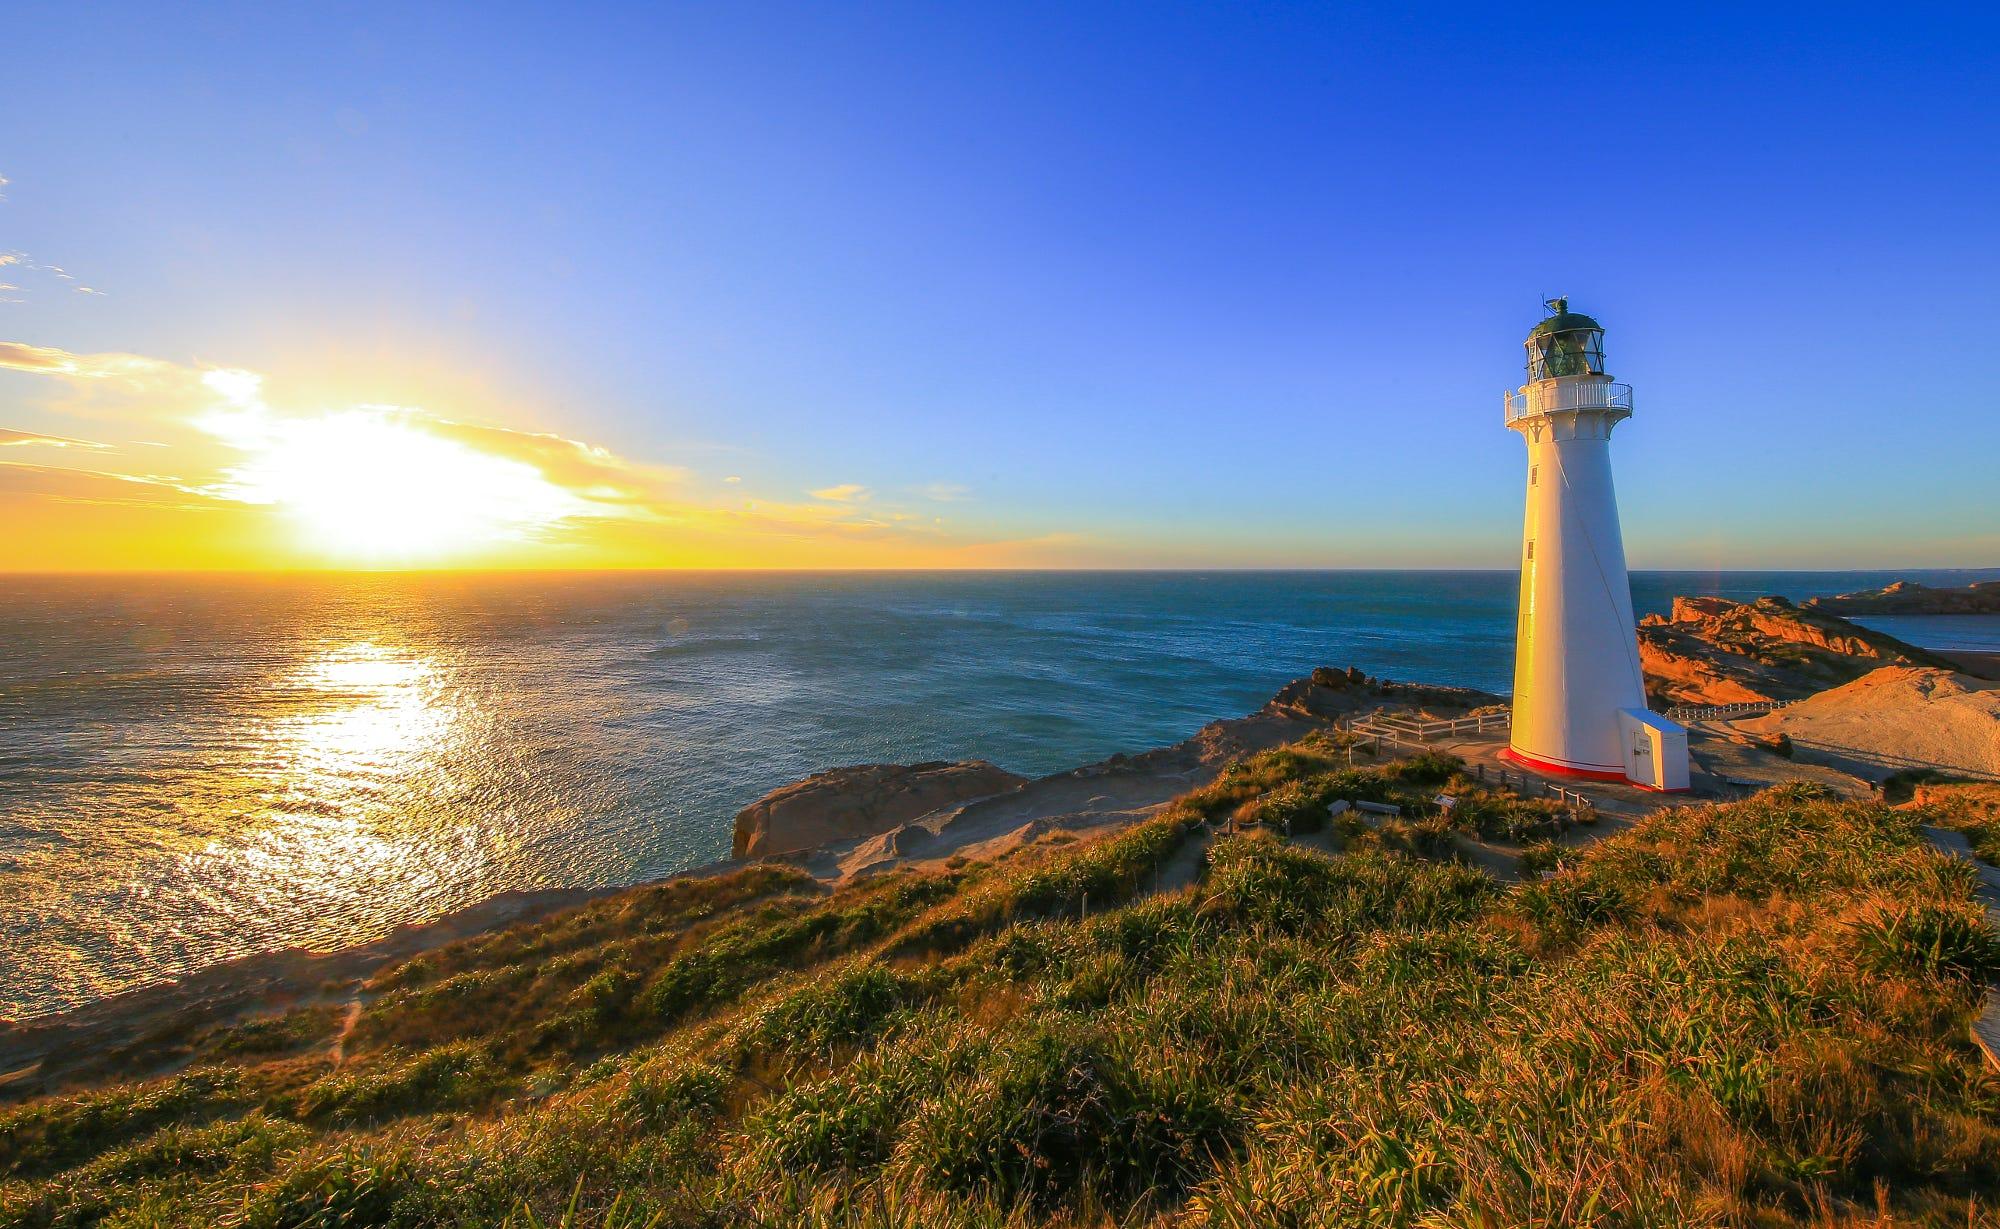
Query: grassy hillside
x,y
1751,1014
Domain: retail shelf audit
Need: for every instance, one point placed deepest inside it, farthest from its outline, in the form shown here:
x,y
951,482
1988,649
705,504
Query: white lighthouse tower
x,y
1579,694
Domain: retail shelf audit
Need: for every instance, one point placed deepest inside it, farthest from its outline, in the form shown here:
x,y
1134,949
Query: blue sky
x,y
1090,285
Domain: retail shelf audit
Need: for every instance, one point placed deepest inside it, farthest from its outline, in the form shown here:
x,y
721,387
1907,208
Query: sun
x,y
371,485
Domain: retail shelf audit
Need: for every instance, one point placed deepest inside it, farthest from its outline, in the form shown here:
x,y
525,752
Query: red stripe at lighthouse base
x,y
1562,770
1587,774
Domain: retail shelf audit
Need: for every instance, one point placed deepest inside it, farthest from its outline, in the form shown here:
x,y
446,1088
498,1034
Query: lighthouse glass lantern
x,y
1565,344
1579,692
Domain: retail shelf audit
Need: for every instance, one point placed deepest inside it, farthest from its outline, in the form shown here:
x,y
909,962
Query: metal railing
x,y
1554,396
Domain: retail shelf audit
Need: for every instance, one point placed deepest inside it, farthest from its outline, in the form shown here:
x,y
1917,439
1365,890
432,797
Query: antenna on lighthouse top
x,y
1558,305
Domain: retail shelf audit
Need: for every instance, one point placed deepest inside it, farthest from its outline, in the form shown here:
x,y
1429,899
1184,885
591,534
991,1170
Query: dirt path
x,y
349,1017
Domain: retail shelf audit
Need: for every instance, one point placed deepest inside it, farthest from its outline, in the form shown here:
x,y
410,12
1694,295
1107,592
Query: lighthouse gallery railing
x,y
1544,398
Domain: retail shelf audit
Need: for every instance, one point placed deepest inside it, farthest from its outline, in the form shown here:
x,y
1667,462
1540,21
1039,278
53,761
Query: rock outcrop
x,y
1907,597
1711,650
1332,694
854,821
863,800
1895,719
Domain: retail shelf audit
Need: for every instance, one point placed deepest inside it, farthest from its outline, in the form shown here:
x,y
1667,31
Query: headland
x,y
1147,986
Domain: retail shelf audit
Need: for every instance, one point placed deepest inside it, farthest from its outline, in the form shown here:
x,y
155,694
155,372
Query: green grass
x,y
1750,1014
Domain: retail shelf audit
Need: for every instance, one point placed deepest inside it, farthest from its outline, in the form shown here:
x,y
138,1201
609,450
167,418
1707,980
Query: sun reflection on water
x,y
381,708
345,769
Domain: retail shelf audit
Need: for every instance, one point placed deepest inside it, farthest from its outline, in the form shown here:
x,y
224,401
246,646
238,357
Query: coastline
x,y
492,698
1121,790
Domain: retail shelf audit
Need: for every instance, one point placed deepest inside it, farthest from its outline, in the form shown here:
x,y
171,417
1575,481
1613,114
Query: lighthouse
x,y
1579,694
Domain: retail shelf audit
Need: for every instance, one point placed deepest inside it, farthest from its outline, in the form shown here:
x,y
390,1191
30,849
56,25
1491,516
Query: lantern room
x,y
1567,343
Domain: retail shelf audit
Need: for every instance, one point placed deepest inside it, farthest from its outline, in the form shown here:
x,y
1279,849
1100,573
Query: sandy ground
x,y
1978,665
1895,719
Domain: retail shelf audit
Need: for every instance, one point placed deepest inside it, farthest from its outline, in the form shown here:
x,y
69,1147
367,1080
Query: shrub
x,y
44,1136
276,1034
1929,940
1540,857
354,1188
846,1123
851,1008
653,1100
1505,817
449,1077
1059,1109
1426,768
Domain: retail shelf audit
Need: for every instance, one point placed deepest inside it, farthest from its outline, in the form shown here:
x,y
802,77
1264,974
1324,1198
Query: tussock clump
x,y
1269,886
47,1135
1067,1106
449,1077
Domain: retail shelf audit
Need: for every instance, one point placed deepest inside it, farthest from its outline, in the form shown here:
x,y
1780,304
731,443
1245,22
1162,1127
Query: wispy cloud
x,y
12,438
593,472
23,261
47,360
845,493
945,492
89,486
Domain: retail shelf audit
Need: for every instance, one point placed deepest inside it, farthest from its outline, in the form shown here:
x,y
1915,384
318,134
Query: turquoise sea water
x,y
192,768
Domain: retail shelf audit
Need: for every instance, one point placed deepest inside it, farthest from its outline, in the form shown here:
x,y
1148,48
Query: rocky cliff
x,y
1906,597
862,800
1711,650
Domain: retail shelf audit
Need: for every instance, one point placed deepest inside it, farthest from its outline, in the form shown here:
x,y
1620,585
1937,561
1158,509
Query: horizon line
x,y
969,571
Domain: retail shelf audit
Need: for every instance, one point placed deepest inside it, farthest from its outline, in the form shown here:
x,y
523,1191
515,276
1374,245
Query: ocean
x,y
198,767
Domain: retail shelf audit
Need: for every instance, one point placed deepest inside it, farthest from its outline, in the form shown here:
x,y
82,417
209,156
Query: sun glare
x,y
371,485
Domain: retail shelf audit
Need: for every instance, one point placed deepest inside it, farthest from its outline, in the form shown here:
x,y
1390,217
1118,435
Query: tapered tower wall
x,y
1576,661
